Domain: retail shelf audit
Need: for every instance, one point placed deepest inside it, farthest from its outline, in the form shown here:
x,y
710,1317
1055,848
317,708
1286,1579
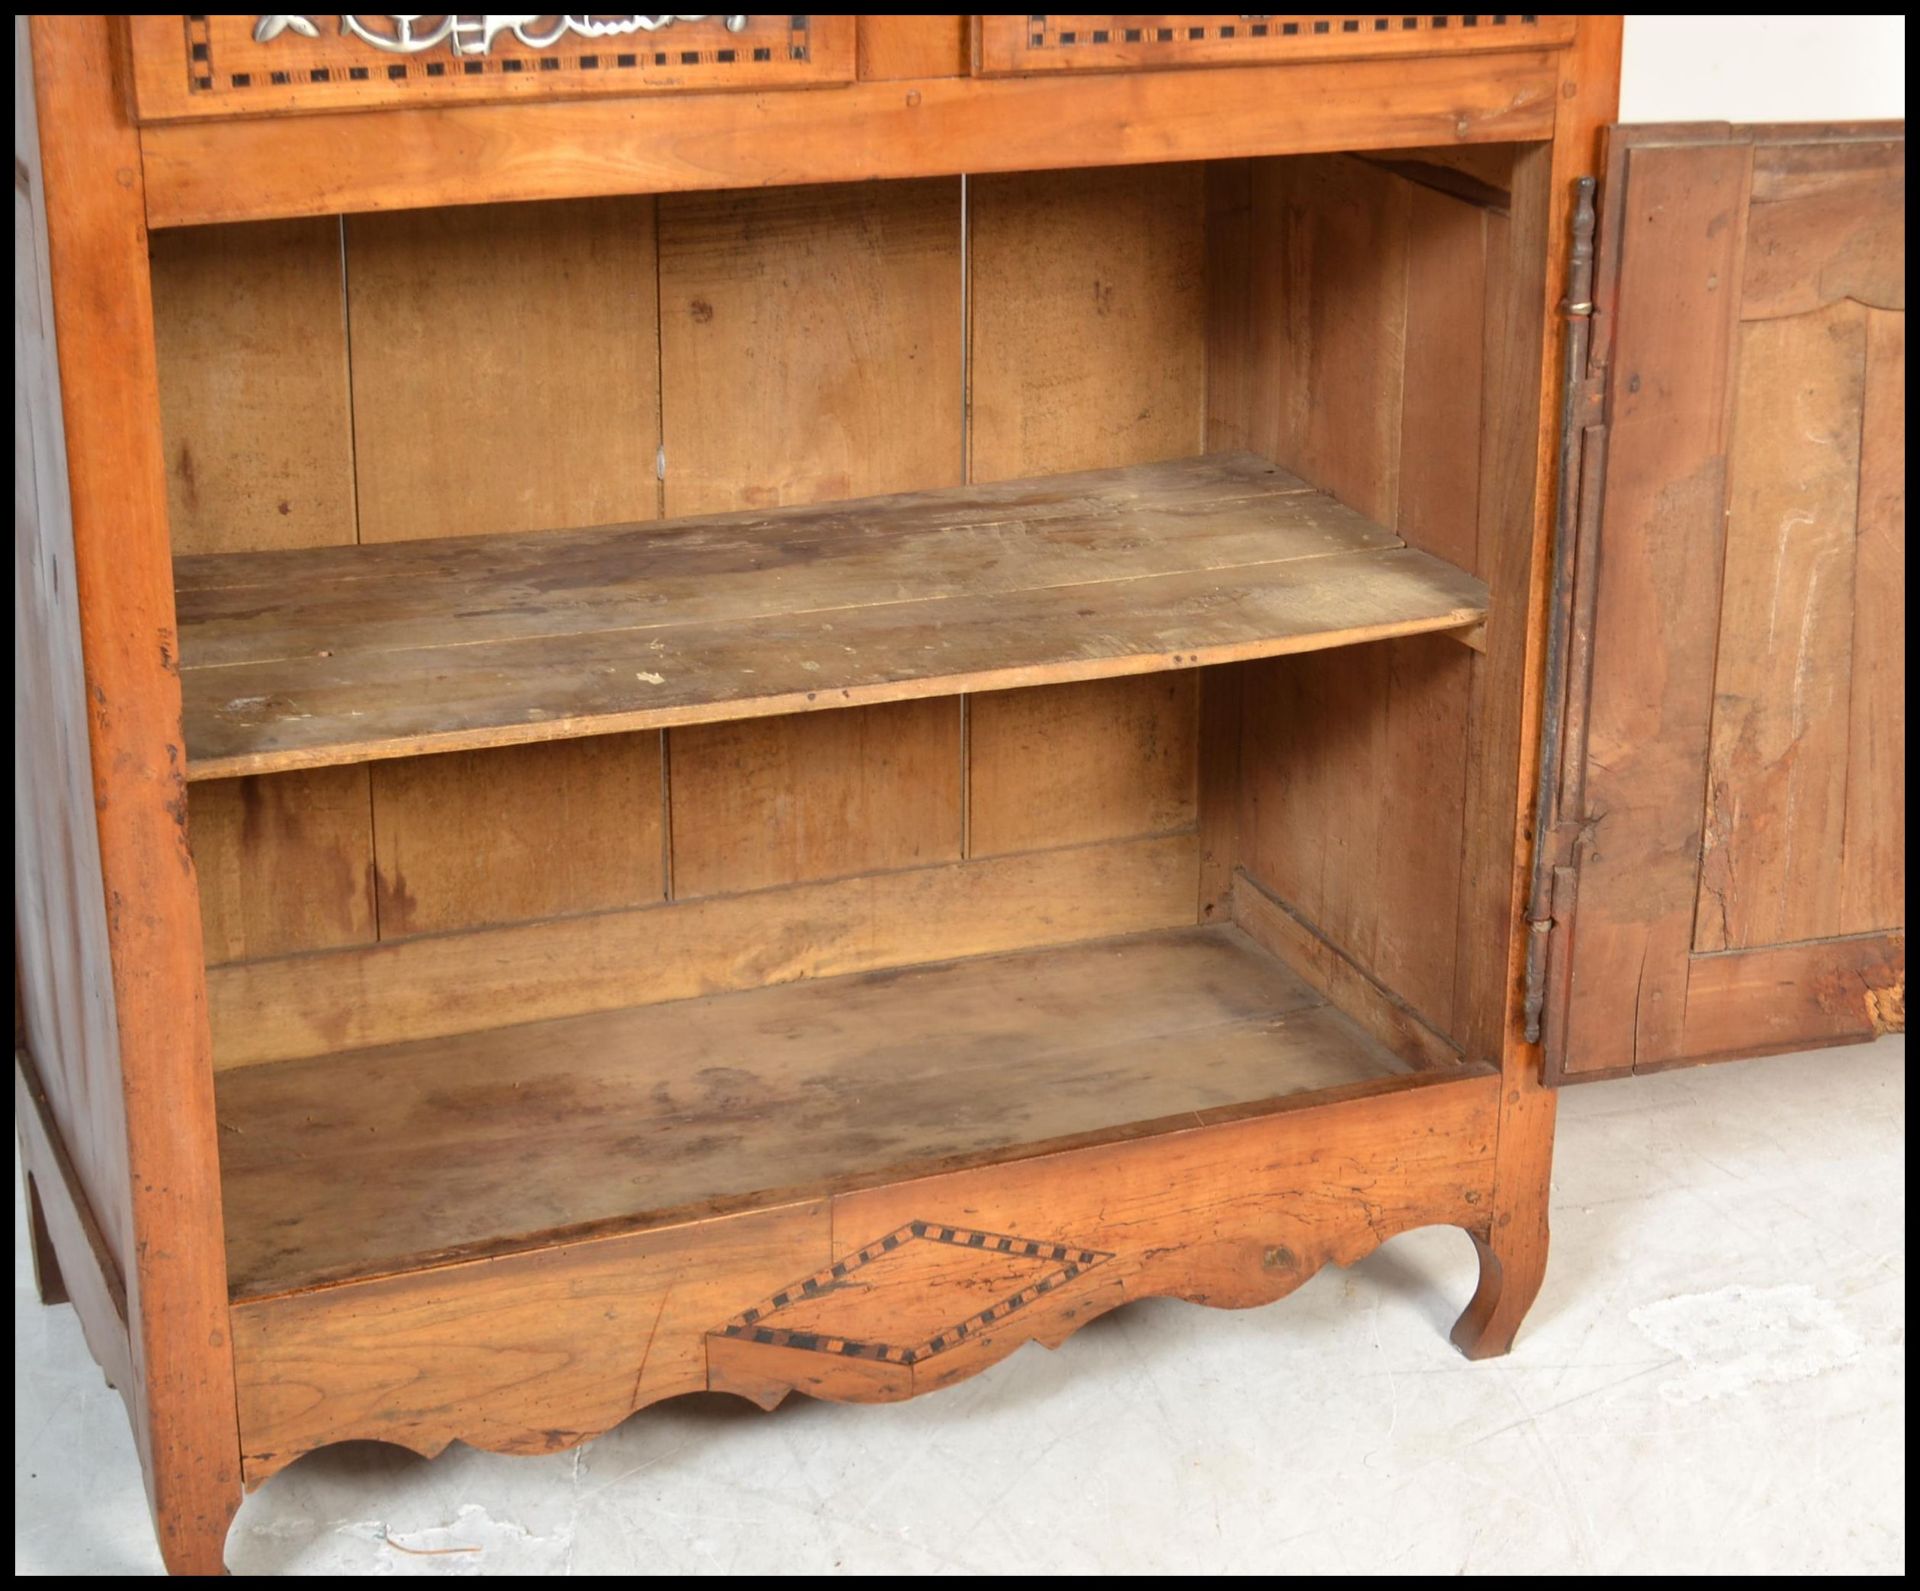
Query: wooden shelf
x,y
347,654
388,1159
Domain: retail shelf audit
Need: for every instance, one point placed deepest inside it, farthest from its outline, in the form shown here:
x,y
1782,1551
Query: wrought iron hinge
x,y
1579,408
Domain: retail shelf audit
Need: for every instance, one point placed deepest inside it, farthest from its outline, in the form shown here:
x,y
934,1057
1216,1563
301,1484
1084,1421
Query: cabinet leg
x,y
46,1264
1513,1247
194,1541
1509,1282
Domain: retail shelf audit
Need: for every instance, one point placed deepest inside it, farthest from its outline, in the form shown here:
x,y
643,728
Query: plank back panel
x,y
443,984
763,802
285,862
505,368
472,839
250,328
1087,298
811,351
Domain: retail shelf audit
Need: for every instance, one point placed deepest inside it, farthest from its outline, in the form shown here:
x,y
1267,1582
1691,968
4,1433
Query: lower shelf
x,y
384,1160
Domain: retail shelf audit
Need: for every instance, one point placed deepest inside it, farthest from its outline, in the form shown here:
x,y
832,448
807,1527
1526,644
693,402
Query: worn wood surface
x,y
523,1353
519,833
254,169
810,344
317,1004
1327,967
770,801
549,341
250,327
1236,1213
478,641
1371,296
1087,315
285,863
1766,475
1665,484
1071,764
516,1354
384,1159
148,1090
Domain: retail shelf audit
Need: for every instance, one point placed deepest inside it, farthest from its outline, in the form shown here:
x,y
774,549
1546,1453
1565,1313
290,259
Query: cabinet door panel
x,y
1732,819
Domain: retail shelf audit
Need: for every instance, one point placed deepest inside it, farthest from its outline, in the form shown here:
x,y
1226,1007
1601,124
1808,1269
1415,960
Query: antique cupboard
x,y
774,703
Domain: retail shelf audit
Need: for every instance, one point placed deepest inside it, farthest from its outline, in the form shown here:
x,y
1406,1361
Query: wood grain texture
x,y
285,863
1776,804
1087,313
250,329
910,46
86,169
1330,324
477,839
810,344
249,170
1796,871
448,984
1828,221
659,1113
1324,966
1790,997
1873,891
558,416
466,643
514,1354
771,801
525,1353
1665,495
1070,764
1237,1213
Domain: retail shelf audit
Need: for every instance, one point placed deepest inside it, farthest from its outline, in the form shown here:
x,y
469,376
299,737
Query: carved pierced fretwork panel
x,y
190,67
1050,43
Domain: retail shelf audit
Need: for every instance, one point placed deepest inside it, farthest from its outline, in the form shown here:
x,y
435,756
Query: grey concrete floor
x,y
1712,1380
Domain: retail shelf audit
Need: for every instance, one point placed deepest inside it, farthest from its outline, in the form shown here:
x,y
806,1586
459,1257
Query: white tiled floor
x,y
1713,1379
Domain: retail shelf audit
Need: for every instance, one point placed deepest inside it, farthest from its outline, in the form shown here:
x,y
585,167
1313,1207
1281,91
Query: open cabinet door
x,y
1726,824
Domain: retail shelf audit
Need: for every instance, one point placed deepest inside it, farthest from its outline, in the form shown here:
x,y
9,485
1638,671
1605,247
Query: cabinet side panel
x,y
181,1392
1368,299
59,895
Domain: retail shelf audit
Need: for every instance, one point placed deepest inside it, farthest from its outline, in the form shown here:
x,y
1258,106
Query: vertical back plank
x,y
810,343
809,796
1088,308
1088,314
1777,758
1229,246
1874,854
1068,764
250,332
285,863
811,350
505,367
474,839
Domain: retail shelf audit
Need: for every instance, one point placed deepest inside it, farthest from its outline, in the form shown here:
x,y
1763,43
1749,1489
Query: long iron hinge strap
x,y
1578,310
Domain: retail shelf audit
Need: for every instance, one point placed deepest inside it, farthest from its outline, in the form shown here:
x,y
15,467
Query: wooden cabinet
x,y
782,740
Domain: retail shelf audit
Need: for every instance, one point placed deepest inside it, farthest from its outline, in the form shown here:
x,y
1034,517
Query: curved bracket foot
x,y
1510,1277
